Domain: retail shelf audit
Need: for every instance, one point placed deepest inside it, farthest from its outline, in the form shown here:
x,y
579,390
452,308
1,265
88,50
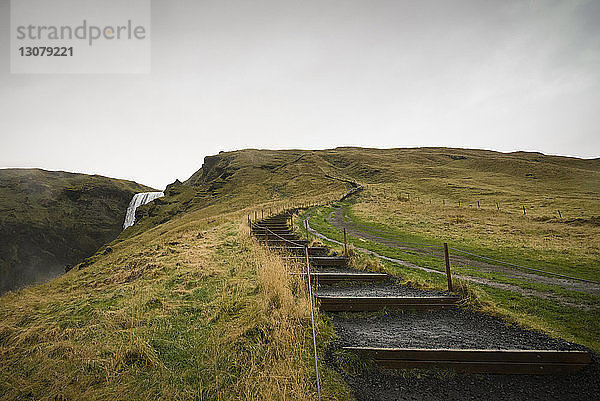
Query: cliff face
x,y
51,219
214,167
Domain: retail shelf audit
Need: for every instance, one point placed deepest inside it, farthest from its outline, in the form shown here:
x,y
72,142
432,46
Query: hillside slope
x,y
246,177
188,306
49,219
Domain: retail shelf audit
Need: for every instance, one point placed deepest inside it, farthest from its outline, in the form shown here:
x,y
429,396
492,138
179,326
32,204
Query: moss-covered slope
x,y
49,219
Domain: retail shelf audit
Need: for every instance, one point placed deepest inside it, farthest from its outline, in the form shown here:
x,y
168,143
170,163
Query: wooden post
x,y
477,204
443,201
497,205
447,258
255,215
262,214
345,244
459,203
249,222
523,210
559,215
306,227
267,237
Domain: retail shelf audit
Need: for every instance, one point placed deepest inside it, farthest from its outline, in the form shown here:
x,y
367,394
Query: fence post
x,y
477,204
267,237
255,215
345,244
447,258
497,205
559,215
249,222
523,210
306,228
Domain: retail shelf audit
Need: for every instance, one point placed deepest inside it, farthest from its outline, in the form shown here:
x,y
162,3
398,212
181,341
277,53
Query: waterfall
x,y
138,200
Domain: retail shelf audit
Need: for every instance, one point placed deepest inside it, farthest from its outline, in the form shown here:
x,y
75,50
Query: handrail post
x,y
345,243
447,259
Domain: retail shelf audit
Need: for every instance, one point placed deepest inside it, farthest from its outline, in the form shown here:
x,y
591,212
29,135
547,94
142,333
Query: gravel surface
x,y
447,328
383,289
326,269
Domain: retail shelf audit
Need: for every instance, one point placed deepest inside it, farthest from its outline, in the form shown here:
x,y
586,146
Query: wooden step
x,y
478,360
338,277
261,224
299,250
366,304
338,261
264,235
281,242
272,221
276,231
269,224
272,232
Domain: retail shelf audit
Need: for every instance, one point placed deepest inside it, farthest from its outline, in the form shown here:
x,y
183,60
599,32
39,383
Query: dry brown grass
x,y
191,309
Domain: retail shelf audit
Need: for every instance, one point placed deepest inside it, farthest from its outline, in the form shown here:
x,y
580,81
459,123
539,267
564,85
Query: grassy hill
x,y
49,219
187,306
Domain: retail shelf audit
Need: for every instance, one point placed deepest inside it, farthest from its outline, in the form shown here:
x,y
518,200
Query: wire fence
x,y
429,249
536,208
524,267
254,225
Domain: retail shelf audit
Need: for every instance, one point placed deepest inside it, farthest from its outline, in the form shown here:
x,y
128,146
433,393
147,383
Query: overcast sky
x,y
226,75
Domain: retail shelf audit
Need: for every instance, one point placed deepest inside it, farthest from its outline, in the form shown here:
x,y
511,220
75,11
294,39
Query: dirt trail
x,y
339,220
